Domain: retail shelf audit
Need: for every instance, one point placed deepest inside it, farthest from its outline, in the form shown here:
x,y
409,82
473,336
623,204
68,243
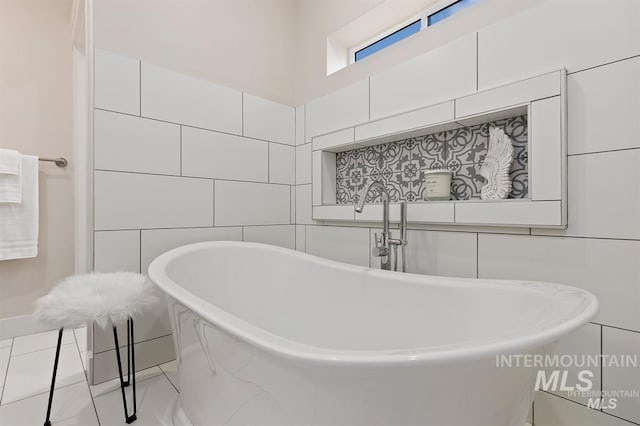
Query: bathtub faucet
x,y
385,241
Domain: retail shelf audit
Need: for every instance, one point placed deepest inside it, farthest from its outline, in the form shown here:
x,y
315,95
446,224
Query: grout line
x,y
477,61
86,375
190,177
140,251
43,349
604,65
603,151
167,377
242,113
6,371
47,391
193,127
601,364
137,343
617,328
140,88
180,150
214,204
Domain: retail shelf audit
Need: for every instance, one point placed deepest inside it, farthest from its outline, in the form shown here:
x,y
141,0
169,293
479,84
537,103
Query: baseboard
x,y
20,326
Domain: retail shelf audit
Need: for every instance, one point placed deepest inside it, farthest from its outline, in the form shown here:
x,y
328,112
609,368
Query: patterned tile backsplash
x,y
401,164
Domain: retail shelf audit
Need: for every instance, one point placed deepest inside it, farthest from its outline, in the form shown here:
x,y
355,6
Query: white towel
x,y
19,222
10,176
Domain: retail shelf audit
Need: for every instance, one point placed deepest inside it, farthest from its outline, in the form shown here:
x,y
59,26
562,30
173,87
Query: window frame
x,y
423,16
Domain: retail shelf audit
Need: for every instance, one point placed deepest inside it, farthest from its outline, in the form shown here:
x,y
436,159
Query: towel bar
x,y
60,161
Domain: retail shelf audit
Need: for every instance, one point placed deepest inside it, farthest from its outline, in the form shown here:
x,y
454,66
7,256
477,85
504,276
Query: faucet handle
x,y
379,250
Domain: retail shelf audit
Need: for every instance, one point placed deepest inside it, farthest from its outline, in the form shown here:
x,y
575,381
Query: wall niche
x,y
401,164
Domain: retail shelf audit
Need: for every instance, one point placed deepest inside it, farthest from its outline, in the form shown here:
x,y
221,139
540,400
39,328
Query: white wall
x,y
243,44
181,160
600,47
36,118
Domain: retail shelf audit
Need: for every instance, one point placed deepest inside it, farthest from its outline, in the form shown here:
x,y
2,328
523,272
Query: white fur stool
x,y
106,298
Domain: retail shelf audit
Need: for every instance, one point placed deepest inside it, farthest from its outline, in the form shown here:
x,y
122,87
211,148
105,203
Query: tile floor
x,y
26,364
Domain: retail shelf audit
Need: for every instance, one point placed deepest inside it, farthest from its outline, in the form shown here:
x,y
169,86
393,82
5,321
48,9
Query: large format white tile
x,y
6,343
623,345
603,107
157,241
116,251
179,98
303,205
152,324
30,374
133,201
440,253
170,369
342,108
303,164
268,120
607,268
550,410
548,36
4,362
148,354
300,138
345,244
584,342
301,231
117,82
243,203
72,406
278,235
282,164
81,338
603,196
156,397
134,144
38,341
441,74
223,156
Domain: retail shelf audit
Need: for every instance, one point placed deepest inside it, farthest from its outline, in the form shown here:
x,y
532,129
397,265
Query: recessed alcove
x,y
453,134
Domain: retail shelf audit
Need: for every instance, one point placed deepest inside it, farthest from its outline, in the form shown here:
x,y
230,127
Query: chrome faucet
x,y
385,241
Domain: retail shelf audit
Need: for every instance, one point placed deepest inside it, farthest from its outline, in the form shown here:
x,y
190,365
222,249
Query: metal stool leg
x,y
132,418
47,422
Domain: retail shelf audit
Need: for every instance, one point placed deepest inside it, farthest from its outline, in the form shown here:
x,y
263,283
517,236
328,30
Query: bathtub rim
x,y
284,347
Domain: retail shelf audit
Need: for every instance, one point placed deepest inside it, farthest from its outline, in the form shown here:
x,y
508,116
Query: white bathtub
x,y
270,336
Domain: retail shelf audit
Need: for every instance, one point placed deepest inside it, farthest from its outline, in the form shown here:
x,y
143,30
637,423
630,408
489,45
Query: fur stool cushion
x,y
106,298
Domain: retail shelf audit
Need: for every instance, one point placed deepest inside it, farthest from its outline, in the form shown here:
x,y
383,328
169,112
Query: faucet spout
x,y
363,195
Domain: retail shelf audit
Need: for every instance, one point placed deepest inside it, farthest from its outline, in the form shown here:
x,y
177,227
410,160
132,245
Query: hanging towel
x,y
10,176
19,222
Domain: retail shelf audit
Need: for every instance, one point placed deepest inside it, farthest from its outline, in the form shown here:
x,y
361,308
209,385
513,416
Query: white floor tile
x,y
39,341
170,369
72,406
111,385
30,374
5,343
81,338
155,403
4,361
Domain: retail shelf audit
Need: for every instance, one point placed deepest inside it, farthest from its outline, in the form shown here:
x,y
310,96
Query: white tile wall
x,y
582,342
301,238
607,268
268,120
178,98
337,110
157,241
133,144
282,164
603,198
551,410
242,203
345,244
151,325
277,235
117,83
622,343
303,204
441,253
438,75
603,107
223,156
116,251
548,36
134,201
303,164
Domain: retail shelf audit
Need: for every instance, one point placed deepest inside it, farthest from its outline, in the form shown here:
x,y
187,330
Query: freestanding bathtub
x,y
270,336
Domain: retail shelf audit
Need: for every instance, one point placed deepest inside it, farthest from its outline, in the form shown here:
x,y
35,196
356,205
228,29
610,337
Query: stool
x,y
109,299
